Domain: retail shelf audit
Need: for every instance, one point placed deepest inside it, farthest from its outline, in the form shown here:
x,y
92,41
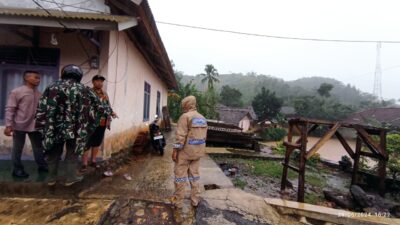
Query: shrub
x,y
393,143
239,183
394,165
314,159
273,134
280,149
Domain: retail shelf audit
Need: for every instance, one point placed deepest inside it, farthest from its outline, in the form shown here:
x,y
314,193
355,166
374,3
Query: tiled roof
x,y
376,117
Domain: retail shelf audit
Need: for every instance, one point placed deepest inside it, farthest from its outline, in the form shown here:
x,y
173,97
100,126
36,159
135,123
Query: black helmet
x,y
72,72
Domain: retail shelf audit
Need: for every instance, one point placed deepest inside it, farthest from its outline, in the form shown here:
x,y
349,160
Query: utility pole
x,y
378,73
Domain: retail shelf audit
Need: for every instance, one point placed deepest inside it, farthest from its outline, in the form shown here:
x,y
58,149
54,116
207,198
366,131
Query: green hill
x,y
252,83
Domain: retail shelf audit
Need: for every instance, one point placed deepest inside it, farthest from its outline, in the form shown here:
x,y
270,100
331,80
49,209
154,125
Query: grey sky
x,y
352,63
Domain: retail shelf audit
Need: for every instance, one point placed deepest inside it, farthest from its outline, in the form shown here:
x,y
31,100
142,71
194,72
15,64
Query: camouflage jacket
x,y
68,110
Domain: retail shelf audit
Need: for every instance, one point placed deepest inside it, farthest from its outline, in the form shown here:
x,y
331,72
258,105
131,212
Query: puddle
x,y
211,187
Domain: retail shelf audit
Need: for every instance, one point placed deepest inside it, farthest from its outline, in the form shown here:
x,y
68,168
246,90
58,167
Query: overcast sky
x,y
353,63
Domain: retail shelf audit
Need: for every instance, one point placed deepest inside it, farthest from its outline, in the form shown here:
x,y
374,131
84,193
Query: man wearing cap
x,y
97,137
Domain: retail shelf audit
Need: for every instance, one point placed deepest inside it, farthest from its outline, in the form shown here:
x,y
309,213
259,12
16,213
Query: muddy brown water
x,y
332,150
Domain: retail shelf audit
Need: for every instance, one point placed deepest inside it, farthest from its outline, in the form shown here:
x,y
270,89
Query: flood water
x,y
332,150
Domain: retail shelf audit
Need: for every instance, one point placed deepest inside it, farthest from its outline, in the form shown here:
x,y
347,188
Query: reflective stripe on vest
x,y
197,141
199,122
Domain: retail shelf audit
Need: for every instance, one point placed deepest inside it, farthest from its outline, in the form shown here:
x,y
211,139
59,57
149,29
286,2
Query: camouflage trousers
x,y
186,170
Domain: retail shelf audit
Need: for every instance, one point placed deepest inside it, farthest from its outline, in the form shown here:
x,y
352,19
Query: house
x,y
386,117
288,111
241,117
117,39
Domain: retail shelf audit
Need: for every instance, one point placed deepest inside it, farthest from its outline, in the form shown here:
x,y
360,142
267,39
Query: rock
x,y
234,206
140,212
370,203
289,184
361,198
339,199
164,216
395,211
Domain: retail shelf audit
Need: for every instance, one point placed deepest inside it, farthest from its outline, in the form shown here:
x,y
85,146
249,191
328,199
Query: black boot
x,y
53,172
72,176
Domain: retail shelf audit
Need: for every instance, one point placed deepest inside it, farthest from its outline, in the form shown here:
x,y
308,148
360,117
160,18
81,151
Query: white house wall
x,y
127,72
245,123
71,52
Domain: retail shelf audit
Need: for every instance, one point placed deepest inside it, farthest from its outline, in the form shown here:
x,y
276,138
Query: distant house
x,y
117,39
241,117
288,111
388,117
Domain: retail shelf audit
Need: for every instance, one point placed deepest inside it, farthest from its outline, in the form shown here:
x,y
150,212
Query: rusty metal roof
x,y
62,14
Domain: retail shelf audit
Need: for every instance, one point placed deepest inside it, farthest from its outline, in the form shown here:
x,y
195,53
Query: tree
x,y
324,89
316,107
393,148
266,105
175,97
205,101
230,96
210,100
210,76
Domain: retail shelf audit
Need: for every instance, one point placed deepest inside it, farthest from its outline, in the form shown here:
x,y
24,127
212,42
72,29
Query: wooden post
x,y
382,164
302,162
287,157
290,133
356,159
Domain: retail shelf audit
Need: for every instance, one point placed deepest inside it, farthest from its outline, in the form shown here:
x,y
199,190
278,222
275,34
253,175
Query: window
x,y
146,105
158,106
15,60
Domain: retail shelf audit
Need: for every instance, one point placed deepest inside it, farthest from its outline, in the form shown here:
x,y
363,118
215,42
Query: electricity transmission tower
x,y
378,73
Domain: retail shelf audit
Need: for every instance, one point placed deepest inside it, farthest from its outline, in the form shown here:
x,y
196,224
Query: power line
x,y
48,12
74,6
275,36
237,32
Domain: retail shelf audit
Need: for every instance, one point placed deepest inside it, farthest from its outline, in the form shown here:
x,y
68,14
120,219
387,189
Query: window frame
x,y
146,101
158,104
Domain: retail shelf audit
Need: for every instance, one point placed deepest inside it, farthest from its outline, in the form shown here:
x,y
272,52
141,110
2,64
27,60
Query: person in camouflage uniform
x,y
68,113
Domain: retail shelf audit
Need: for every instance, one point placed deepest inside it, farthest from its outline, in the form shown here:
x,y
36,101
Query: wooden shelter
x,y
305,126
224,134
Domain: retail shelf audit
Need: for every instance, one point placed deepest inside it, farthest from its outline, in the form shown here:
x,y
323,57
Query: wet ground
x,y
263,178
34,211
152,179
143,199
137,193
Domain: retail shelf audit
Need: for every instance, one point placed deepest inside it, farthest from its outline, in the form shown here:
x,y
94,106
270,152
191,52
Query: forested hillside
x,y
249,85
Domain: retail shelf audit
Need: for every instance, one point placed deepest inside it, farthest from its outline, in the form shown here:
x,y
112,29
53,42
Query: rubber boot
x,y
72,176
53,172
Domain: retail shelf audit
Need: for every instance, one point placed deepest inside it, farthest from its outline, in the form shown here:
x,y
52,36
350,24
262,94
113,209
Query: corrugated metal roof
x,y
62,14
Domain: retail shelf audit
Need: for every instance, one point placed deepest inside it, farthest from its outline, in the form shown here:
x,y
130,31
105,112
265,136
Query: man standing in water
x,y
189,147
20,121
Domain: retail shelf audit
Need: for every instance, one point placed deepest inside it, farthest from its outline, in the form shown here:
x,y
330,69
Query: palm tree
x,y
210,76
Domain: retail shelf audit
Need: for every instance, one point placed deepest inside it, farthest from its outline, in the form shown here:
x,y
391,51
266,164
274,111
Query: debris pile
x,y
358,200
